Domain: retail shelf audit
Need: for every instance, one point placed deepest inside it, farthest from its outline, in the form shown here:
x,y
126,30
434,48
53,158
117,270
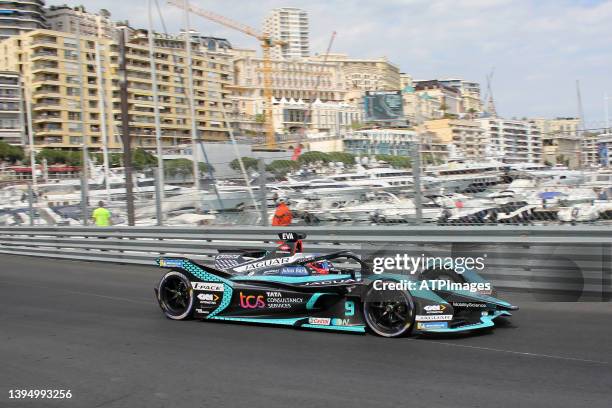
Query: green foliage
x,y
56,156
356,125
114,159
260,118
281,167
10,153
141,159
206,168
395,161
313,157
248,162
346,158
183,167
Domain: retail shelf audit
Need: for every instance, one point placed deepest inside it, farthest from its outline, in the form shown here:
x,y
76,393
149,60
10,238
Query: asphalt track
x,y
95,329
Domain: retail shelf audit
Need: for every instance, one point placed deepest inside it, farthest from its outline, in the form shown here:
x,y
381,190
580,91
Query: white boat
x,y
461,176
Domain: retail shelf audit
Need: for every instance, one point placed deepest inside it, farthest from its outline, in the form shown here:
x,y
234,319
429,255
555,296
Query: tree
x,y
183,167
313,157
346,158
141,159
10,153
56,156
205,168
282,167
260,118
395,161
248,162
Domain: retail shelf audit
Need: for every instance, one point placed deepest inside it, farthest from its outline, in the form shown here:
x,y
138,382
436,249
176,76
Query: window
x,y
70,54
70,43
73,91
75,127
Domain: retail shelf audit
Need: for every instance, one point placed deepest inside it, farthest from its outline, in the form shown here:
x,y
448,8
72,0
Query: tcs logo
x,y
252,301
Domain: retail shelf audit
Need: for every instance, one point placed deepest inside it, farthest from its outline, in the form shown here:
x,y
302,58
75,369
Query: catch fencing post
x,y
416,176
158,172
31,204
261,169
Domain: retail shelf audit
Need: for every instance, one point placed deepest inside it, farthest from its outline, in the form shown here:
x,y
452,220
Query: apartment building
x,y
467,136
212,74
604,150
73,19
11,109
590,149
516,141
290,25
439,99
365,74
66,109
471,103
561,141
303,81
21,16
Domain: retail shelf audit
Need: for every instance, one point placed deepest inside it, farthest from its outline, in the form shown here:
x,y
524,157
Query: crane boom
x,y
217,18
266,43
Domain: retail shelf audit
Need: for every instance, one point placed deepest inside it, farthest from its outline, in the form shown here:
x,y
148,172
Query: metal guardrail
x,y
564,263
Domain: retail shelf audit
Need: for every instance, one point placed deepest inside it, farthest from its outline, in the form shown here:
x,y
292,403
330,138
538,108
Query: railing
x,y
562,263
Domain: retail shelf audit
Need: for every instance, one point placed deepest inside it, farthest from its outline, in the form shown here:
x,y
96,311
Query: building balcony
x,y
44,55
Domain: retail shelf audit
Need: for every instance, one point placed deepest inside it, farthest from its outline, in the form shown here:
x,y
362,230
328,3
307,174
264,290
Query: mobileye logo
x,y
252,301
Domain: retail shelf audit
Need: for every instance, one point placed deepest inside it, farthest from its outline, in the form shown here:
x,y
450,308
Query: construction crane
x,y
490,107
266,42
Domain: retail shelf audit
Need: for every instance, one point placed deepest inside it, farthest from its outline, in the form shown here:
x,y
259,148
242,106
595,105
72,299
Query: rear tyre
x,y
175,296
389,313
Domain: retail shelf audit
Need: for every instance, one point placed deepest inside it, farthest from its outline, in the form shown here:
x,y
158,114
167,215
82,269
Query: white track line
x,y
521,353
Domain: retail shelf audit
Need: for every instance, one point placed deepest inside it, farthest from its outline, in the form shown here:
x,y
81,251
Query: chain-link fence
x,y
319,189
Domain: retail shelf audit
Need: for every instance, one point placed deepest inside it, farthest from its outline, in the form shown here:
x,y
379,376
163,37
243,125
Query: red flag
x,y
296,153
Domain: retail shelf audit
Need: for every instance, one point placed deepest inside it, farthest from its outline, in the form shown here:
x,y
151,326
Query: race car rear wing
x,y
291,242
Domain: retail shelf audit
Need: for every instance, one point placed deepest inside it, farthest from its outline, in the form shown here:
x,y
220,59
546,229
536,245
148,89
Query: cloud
x,y
539,48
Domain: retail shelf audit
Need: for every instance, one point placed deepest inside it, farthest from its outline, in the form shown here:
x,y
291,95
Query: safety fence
x,y
565,263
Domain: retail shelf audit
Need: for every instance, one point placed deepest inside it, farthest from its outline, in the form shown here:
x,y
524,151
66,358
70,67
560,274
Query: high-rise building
x,y
19,16
515,141
376,74
71,20
52,63
290,25
11,108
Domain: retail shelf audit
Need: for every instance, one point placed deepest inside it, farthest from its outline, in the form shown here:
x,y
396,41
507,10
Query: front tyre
x,y
389,313
175,296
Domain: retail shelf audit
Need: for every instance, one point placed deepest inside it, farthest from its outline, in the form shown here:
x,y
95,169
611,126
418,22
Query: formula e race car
x,y
335,291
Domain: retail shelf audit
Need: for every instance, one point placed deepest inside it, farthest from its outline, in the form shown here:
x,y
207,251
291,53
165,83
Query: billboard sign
x,y
383,106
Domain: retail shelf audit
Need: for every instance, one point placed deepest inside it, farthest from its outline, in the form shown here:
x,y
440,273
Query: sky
x,y
537,48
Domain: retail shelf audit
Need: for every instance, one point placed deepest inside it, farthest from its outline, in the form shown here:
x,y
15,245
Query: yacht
x,y
466,176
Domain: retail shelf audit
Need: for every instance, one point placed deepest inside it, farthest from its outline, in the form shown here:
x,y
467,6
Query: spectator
x,y
282,215
101,216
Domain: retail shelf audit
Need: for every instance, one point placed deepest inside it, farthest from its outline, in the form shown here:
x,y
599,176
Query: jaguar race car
x,y
335,291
